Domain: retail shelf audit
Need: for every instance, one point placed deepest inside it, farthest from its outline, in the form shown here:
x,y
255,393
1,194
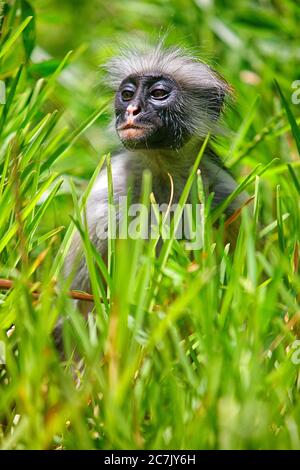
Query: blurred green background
x,y
211,354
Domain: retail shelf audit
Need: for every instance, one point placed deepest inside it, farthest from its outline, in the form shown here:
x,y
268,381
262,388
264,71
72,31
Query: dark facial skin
x,y
145,107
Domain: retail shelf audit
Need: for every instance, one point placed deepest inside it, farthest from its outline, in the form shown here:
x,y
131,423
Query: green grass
x,y
187,349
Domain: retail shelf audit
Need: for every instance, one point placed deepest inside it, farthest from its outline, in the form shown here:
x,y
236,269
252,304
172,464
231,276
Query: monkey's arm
x,y
97,220
218,179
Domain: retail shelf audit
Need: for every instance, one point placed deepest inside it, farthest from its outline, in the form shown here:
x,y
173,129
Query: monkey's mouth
x,y
132,131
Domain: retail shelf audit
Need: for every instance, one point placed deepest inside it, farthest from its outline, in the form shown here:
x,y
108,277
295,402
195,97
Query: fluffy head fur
x,y
203,90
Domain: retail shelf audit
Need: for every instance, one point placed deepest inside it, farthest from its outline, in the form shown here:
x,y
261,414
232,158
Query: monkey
x,y
166,102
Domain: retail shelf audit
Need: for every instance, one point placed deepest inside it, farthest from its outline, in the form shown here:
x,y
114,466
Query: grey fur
x,y
203,92
203,89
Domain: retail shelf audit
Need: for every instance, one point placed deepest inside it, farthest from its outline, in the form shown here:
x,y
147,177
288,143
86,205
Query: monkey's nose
x,y
133,110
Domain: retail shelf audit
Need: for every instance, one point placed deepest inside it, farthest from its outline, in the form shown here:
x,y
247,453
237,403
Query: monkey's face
x,y
148,112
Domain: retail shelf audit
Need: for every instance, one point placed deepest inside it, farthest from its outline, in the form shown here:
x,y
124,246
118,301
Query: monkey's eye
x,y
159,93
127,94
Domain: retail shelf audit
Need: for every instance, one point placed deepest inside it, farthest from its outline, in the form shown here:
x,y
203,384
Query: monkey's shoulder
x,y
120,170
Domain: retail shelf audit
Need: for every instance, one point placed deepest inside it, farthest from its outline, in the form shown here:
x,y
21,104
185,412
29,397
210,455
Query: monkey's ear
x,y
217,97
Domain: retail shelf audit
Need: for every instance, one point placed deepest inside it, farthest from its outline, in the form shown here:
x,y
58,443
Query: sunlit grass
x,y
185,348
